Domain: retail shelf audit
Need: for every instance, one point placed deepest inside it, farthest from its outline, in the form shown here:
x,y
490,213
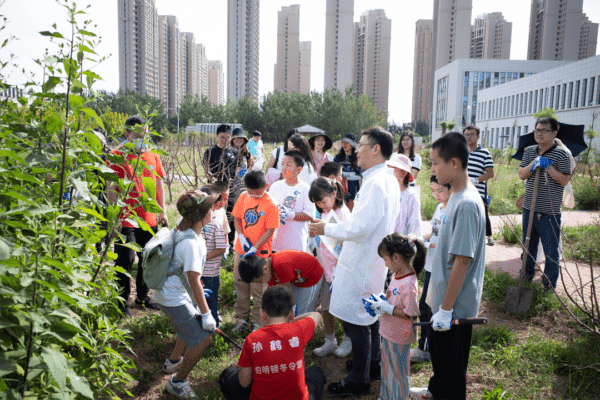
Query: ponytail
x,y
322,187
398,244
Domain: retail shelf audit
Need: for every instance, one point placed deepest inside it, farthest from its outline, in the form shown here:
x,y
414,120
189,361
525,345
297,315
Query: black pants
x,y
424,313
366,349
449,352
232,390
125,257
488,223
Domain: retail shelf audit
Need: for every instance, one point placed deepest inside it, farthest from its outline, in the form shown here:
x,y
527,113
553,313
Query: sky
x,y
207,19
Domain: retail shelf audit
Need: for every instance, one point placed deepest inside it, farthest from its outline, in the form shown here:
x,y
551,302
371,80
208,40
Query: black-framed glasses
x,y
543,131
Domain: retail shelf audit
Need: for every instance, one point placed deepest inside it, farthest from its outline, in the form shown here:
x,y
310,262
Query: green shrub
x,y
587,196
492,336
496,394
226,292
425,158
582,238
428,205
512,232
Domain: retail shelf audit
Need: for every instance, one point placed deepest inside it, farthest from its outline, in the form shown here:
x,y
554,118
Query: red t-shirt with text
x,y
276,355
295,266
126,171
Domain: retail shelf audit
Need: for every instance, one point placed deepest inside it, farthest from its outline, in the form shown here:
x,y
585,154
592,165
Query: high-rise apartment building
x,y
216,83
176,83
287,69
304,57
491,37
163,61
559,30
202,71
339,53
242,48
372,39
191,64
422,70
138,47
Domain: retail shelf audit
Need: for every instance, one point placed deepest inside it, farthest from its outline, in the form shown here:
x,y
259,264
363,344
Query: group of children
x,y
272,248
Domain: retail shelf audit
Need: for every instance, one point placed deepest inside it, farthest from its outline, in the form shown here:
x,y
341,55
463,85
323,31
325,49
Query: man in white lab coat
x,y
360,271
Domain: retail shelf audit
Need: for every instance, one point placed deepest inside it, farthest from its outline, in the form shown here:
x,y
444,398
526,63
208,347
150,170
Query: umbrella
x,y
571,135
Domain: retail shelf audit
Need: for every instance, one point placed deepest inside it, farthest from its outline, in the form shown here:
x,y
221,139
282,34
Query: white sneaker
x,y
418,355
241,324
328,347
181,390
419,393
169,367
255,327
344,348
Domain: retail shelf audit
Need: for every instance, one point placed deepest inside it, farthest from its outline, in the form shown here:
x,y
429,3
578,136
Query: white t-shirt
x,y
417,163
436,226
308,174
220,216
281,154
293,235
190,252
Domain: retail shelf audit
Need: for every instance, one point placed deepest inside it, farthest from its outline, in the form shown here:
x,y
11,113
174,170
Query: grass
x,y
512,231
582,239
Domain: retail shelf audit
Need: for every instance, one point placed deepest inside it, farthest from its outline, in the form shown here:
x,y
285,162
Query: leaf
x,y
11,154
91,113
80,186
86,33
131,245
80,385
93,213
57,365
6,248
83,47
75,101
7,366
52,34
65,330
149,186
51,83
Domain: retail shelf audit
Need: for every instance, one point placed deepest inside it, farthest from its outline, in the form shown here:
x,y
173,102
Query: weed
x,y
492,336
496,394
512,232
218,347
582,238
226,293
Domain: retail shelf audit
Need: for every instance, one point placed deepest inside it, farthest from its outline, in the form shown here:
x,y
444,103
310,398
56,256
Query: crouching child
x,y
272,360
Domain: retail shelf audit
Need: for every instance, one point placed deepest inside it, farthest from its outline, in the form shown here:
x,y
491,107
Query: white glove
x,y
208,322
312,244
244,242
250,252
380,305
442,320
474,180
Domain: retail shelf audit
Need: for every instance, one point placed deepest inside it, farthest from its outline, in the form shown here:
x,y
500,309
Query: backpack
x,y
158,261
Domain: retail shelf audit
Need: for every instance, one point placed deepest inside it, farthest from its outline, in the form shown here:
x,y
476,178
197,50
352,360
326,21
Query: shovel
x,y
518,299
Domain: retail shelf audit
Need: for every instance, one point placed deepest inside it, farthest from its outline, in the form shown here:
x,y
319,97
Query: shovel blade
x,y
518,299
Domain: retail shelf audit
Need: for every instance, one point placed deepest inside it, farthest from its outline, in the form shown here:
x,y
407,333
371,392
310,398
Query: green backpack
x,y
158,261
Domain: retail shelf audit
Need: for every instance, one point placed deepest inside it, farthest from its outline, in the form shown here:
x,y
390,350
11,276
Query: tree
x,y
447,126
546,112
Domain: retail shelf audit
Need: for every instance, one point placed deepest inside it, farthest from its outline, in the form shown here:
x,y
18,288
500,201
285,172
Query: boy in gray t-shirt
x,y
457,272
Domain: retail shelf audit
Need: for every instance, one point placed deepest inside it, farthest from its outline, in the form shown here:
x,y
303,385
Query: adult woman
x,y
319,144
351,172
244,162
407,147
309,172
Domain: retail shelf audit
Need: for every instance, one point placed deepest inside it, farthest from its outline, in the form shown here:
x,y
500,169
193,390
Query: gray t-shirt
x,y
462,233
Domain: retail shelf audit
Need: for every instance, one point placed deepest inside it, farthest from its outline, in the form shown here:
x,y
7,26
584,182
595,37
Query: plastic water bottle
x,y
489,198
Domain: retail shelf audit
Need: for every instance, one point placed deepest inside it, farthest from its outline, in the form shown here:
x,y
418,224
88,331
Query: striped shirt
x,y
479,160
550,192
215,239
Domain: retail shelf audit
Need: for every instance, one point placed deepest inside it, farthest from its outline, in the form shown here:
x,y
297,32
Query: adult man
x,y
360,271
555,173
130,230
480,168
256,149
219,160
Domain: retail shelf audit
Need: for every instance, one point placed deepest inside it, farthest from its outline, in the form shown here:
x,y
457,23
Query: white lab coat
x,y
360,271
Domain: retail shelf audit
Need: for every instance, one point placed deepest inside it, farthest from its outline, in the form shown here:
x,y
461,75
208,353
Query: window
x,y
535,101
552,97
570,101
530,102
496,78
583,92
564,94
592,84
577,84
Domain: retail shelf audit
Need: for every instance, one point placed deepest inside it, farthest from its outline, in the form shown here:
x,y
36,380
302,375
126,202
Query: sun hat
x,y
239,133
402,162
328,141
193,206
350,138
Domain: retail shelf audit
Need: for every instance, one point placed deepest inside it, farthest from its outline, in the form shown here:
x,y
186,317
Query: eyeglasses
x,y
470,135
543,131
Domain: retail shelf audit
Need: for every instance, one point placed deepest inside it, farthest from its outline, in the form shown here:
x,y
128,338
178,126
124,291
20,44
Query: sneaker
x,y
328,347
148,303
419,393
242,324
343,389
126,312
374,371
490,241
255,327
169,367
181,390
418,355
344,348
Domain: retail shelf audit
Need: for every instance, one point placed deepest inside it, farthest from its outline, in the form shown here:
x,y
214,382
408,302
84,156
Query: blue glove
x,y
295,310
242,172
250,252
245,243
207,293
369,301
330,286
379,305
442,320
285,214
541,162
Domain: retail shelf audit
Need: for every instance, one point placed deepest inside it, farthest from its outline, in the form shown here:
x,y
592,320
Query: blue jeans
x,y
366,349
547,228
212,283
424,312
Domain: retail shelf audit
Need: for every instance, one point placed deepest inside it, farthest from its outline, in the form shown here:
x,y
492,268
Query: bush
x,y
587,197
512,232
582,239
425,158
226,292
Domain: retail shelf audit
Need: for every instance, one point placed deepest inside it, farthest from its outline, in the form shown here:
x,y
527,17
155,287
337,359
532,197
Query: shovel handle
x,y
226,337
461,321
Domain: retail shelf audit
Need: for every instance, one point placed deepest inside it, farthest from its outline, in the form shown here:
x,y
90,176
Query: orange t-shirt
x,y
257,216
152,163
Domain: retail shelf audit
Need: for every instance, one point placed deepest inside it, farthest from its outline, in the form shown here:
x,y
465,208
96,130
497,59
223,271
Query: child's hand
x,y
250,252
207,293
442,320
245,243
378,305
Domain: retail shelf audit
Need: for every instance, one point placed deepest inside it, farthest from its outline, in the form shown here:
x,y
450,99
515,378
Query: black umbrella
x,y
572,136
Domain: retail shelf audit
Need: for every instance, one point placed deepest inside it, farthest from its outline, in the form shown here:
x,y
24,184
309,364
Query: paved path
x,y
507,258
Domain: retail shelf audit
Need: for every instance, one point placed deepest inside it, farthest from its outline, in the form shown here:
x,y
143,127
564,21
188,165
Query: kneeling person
x,y
272,359
292,268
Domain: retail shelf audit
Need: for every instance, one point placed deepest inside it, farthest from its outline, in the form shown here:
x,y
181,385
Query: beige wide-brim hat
x,y
402,162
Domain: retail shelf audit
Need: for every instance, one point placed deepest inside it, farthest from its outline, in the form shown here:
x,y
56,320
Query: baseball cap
x,y
402,162
193,206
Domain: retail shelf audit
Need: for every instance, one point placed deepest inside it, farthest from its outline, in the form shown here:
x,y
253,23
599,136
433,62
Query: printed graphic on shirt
x,y
252,216
299,278
290,201
274,369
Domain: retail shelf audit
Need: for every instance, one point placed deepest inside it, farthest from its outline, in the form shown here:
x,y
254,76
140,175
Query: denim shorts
x,y
187,327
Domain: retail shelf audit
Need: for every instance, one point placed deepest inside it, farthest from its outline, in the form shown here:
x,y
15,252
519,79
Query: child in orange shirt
x,y
256,216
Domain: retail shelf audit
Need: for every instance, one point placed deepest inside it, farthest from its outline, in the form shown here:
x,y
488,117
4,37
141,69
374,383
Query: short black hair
x,y
221,186
277,301
133,121
256,133
472,128
223,128
255,180
385,140
554,125
251,267
434,178
297,156
452,145
330,168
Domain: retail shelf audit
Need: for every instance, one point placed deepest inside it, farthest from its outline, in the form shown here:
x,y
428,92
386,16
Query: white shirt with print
x,y
294,234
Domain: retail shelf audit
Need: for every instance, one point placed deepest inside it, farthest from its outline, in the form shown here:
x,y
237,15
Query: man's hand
x,y
208,322
317,227
441,320
541,162
163,220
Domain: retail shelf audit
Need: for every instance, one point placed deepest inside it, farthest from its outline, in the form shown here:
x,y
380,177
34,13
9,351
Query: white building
x,y
339,31
573,90
457,86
